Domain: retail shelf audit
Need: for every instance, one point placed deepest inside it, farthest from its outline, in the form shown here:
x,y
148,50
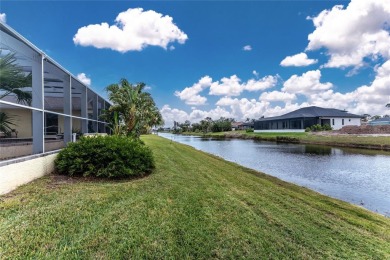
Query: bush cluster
x,y
318,127
287,139
105,156
249,130
221,125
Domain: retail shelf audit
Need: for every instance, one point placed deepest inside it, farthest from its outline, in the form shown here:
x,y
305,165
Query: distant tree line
x,y
205,126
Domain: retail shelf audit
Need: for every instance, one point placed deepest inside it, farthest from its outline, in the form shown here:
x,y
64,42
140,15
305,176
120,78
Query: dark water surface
x,y
358,176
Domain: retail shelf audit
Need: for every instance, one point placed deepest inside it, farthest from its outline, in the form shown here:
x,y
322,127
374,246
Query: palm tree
x,y
6,123
147,113
115,123
135,107
13,79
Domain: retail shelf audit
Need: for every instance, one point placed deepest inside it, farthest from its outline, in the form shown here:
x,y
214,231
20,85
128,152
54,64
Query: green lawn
x,y
194,205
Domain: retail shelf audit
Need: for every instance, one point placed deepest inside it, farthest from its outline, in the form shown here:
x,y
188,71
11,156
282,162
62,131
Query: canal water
x,y
358,176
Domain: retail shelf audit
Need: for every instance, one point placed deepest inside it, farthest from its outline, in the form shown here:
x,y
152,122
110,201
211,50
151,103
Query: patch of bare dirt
x,y
365,129
57,180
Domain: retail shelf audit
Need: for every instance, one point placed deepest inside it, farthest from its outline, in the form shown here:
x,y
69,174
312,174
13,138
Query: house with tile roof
x,y
380,121
299,120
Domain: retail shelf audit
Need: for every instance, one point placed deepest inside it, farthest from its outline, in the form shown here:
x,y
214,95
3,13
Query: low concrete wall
x,y
15,174
15,150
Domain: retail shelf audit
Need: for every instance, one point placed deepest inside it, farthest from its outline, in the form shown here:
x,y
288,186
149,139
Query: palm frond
x,y
13,79
6,123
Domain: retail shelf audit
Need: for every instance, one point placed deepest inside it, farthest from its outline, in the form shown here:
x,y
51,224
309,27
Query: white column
x,y
84,109
67,108
38,102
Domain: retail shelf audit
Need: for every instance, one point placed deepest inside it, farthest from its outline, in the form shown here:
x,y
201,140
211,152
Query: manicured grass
x,y
194,205
371,142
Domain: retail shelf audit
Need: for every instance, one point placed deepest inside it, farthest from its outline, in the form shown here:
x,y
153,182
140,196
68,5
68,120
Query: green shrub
x,y
316,128
105,156
177,131
249,130
287,139
327,127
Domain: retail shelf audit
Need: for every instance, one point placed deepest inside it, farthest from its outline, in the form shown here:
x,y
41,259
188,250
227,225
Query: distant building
x,y
242,125
247,125
299,120
380,121
235,125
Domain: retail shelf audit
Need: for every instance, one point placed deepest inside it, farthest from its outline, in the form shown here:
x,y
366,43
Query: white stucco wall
x,y
16,174
338,122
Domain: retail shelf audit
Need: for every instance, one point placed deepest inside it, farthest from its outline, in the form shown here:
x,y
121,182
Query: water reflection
x,y
358,176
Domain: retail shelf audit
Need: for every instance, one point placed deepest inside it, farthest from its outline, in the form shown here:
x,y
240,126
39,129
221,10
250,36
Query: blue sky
x,y
221,58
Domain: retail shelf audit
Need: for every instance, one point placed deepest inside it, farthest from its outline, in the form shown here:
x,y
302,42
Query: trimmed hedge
x,y
318,127
105,156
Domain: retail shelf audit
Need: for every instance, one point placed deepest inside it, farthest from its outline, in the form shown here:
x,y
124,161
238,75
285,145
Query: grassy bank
x,y
193,206
354,141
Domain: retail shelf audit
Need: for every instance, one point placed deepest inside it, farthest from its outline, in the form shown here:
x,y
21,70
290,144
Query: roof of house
x,y
236,124
310,112
380,121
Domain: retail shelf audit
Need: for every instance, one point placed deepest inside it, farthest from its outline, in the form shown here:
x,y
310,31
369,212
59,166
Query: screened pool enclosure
x,y
61,106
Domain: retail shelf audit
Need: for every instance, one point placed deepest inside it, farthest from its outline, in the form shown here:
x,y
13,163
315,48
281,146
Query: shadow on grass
x,y
59,179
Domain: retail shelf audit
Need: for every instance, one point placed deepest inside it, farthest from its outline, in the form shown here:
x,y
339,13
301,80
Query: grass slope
x,y
193,206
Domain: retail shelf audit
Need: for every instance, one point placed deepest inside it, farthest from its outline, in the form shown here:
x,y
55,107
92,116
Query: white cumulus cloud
x,y
84,79
232,86
306,84
3,17
298,60
173,114
247,48
373,98
277,96
133,30
191,96
369,99
261,84
244,108
240,109
227,87
351,34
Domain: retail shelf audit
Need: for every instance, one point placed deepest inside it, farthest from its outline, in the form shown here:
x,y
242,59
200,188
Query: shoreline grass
x,y
352,141
194,205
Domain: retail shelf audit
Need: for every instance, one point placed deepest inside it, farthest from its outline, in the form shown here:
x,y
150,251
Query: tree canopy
x,y
135,108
